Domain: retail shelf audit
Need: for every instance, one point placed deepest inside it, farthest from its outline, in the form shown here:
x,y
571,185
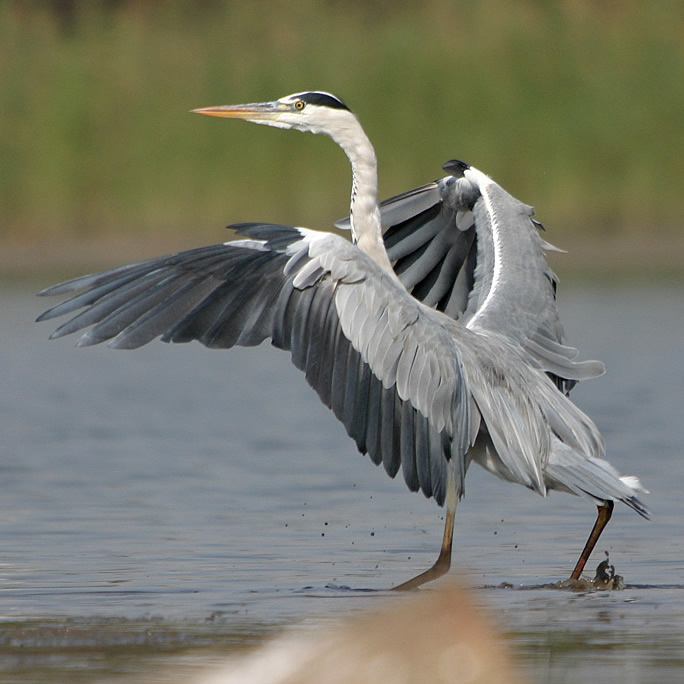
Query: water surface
x,y
174,498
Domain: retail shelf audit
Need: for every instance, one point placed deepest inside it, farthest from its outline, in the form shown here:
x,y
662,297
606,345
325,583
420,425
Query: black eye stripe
x,y
323,100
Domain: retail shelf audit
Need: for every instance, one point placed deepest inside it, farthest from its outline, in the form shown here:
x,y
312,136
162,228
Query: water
x,y
170,499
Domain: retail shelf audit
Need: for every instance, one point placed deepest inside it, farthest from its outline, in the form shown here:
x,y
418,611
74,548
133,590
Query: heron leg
x,y
604,513
443,563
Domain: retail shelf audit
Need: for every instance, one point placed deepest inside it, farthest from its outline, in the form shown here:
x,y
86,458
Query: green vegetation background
x,y
575,106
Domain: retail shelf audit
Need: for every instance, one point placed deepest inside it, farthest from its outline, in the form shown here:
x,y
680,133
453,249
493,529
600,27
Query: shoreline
x,y
624,257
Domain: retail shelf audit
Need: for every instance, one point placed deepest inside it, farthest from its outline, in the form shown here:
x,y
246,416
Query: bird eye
x,y
299,105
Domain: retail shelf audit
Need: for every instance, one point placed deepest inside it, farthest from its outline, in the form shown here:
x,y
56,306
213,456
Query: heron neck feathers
x,y
366,226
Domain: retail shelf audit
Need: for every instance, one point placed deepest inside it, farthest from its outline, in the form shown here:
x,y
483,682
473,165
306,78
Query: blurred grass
x,y
574,106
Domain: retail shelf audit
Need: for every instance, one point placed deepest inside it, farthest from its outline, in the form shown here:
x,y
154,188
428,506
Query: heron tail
x,y
592,478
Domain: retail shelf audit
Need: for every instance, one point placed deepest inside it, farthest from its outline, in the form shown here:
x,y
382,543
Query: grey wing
x,y
429,234
404,407
437,240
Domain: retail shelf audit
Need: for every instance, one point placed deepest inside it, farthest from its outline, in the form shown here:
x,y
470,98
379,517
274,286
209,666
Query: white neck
x,y
364,211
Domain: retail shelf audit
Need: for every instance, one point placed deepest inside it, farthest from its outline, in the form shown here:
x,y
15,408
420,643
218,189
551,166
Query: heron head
x,y
313,112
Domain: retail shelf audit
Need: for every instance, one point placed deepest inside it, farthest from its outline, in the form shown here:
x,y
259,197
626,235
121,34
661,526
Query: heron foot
x,y
443,562
605,579
441,567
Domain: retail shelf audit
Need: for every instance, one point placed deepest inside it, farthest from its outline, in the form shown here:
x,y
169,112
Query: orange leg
x,y
604,513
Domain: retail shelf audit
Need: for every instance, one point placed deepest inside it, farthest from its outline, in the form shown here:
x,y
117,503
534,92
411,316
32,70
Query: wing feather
x,y
413,387
436,236
363,358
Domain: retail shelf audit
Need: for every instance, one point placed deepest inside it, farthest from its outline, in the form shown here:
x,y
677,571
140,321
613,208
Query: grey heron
x,y
436,344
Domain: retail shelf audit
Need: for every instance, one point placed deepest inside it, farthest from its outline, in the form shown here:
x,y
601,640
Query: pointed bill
x,y
256,111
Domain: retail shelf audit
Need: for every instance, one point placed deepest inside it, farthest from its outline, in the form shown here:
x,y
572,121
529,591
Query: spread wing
x,y
413,369
391,377
440,240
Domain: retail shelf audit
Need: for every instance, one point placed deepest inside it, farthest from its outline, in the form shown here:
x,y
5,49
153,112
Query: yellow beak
x,y
257,111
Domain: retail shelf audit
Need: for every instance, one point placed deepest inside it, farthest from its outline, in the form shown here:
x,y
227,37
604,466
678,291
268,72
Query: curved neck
x,y
364,211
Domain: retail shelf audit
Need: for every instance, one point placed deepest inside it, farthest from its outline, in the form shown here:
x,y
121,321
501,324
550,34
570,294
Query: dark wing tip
x,y
634,503
455,167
